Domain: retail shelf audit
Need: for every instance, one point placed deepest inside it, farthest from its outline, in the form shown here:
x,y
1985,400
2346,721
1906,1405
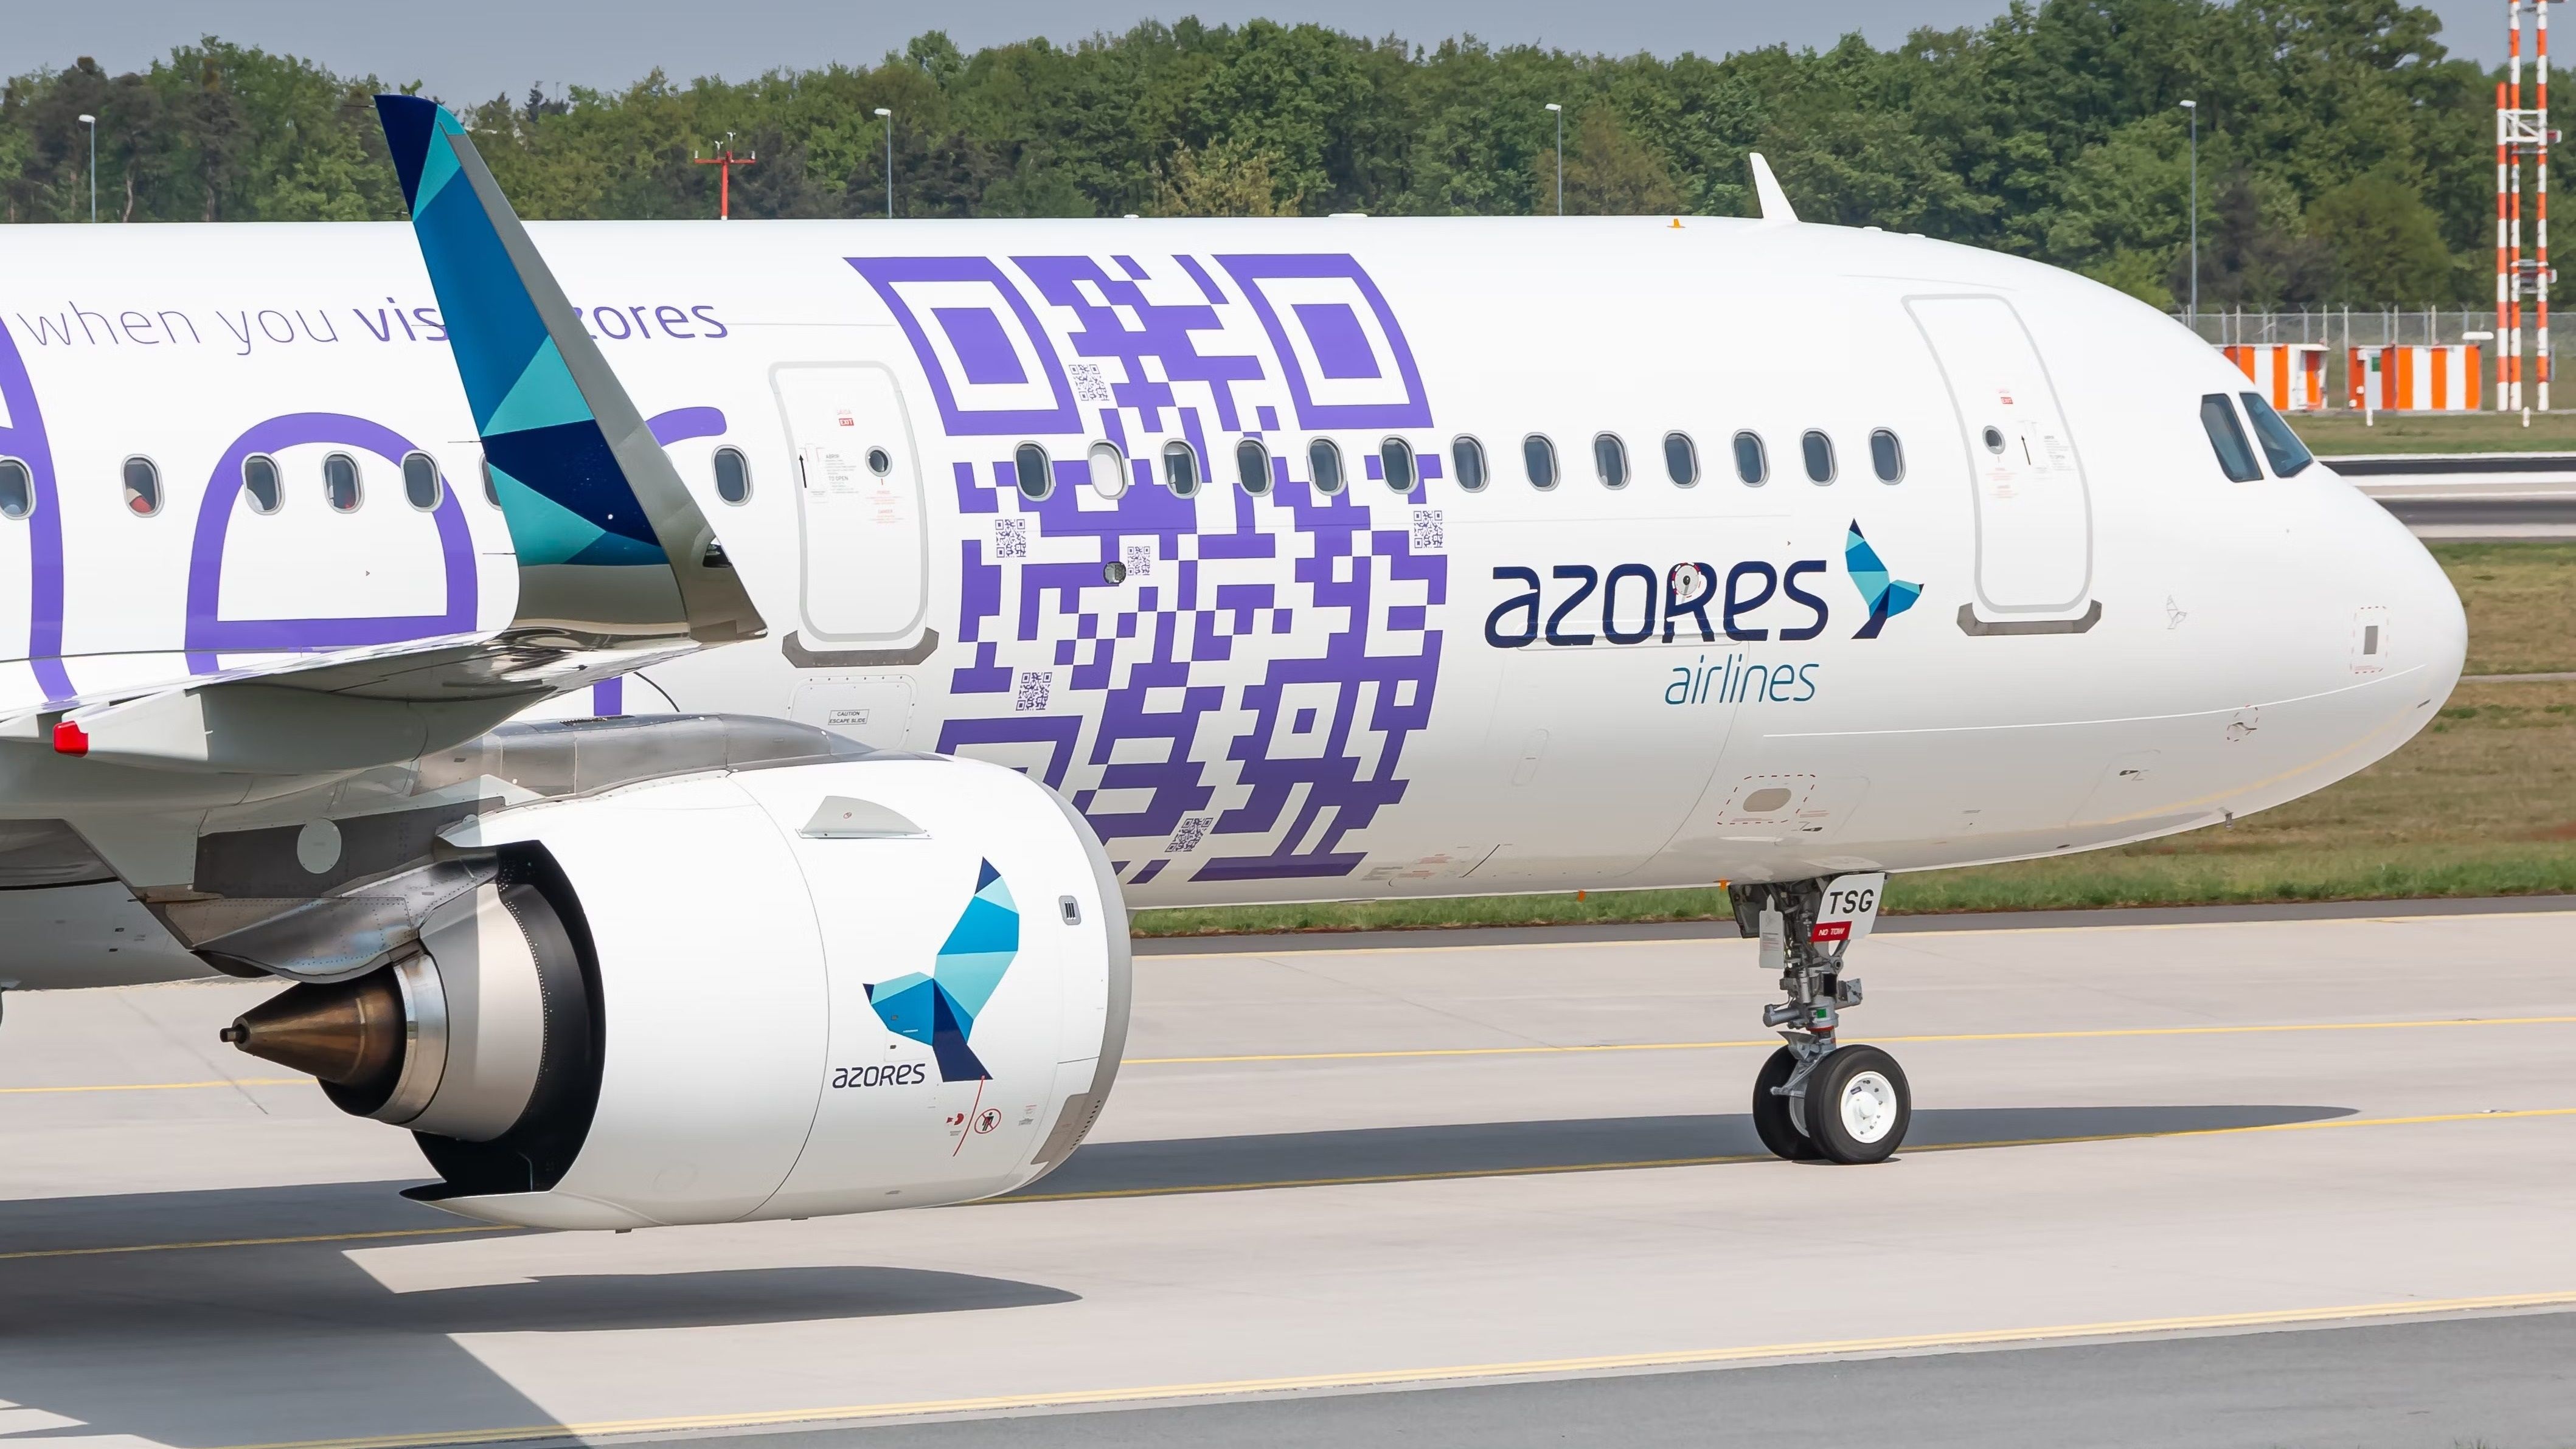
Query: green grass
x,y
2521,599
2342,431
2482,803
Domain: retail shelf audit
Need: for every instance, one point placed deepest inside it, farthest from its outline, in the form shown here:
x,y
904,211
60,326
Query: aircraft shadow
x,y
211,1346
1470,1149
176,1346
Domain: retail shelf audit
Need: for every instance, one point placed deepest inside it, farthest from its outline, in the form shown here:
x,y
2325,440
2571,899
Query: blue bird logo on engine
x,y
939,1010
1885,595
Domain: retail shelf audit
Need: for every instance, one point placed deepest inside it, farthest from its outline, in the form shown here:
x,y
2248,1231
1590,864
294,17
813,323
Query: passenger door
x,y
864,529
2034,515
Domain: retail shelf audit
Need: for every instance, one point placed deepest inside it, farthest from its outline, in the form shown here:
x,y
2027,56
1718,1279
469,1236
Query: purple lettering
x,y
48,330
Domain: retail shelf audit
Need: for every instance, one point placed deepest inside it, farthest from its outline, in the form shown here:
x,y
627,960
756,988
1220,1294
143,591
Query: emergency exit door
x,y
2034,516
865,534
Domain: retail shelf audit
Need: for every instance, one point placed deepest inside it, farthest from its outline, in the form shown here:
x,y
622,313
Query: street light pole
x,y
2194,108
92,123
888,117
1560,156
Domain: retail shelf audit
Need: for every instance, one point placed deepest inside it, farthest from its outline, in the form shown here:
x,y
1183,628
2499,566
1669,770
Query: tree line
x,y
2344,157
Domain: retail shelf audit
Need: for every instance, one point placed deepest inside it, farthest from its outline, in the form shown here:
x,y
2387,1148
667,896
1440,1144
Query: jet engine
x,y
888,981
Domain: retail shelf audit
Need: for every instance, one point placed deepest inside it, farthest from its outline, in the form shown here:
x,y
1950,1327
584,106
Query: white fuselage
x,y
1291,694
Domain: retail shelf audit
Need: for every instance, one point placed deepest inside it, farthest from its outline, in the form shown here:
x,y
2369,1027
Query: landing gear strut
x,y
1817,1098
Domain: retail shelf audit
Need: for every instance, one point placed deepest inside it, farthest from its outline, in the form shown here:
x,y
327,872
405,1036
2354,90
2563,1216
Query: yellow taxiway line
x,y
377,1235
1470,1373
155,1086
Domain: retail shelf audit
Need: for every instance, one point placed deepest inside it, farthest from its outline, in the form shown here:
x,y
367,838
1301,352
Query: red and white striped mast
x,y
2513,181
2503,270
2540,194
2522,133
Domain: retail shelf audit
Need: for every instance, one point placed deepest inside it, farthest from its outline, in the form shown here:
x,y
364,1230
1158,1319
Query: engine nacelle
x,y
793,991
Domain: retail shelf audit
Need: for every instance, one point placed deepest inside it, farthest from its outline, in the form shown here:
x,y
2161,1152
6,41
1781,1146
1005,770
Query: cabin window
x,y
880,462
1610,460
1252,466
261,484
2282,446
1180,469
1036,476
733,476
340,483
142,487
1395,456
1681,459
2227,439
1326,461
1818,451
491,484
17,489
1751,463
1108,470
1538,455
1467,460
421,488
1886,456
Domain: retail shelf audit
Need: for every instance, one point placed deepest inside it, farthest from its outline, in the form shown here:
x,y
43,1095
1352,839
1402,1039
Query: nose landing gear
x,y
1817,1098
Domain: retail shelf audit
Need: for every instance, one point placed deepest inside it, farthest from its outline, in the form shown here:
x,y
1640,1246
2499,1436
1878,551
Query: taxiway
x,y
2207,1181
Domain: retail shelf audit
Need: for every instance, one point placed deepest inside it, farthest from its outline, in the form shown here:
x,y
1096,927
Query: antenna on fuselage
x,y
1766,189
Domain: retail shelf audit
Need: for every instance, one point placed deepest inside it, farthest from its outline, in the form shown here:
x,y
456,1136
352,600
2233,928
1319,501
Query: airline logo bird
x,y
939,1009
1883,594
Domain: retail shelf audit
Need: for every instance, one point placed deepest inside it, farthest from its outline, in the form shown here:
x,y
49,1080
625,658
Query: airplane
x,y
684,708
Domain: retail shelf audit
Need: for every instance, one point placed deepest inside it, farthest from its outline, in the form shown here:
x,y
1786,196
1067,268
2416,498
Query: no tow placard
x,y
1849,908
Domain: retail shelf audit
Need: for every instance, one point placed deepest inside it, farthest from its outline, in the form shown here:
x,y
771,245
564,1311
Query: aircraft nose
x,y
2424,631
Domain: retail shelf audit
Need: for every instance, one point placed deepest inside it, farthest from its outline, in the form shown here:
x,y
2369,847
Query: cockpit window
x,y
2227,436
2282,446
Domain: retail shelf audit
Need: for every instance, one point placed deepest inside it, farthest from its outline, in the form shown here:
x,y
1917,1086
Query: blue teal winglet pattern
x,y
939,1010
1885,595
565,497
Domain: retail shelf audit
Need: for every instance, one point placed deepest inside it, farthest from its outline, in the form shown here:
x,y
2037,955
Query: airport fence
x,y
2343,327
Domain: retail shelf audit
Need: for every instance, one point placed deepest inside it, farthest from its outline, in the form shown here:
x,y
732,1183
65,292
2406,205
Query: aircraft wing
x,y
618,566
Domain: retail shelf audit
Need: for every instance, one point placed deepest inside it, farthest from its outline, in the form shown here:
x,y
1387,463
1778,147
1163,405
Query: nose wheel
x,y
1853,1106
1815,1098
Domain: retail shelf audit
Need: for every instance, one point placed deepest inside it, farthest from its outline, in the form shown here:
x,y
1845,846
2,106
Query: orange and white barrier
x,y
2415,379
2291,374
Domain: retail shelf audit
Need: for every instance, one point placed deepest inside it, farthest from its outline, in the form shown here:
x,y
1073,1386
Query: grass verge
x,y
2482,803
2342,432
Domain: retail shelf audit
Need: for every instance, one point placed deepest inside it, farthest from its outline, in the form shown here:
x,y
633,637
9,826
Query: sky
x,y
467,50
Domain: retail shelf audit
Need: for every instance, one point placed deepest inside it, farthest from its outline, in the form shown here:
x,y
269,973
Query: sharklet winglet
x,y
611,545
1776,210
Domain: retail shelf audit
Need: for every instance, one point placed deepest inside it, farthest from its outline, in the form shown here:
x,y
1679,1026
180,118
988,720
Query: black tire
x,y
1858,1105
1771,1120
